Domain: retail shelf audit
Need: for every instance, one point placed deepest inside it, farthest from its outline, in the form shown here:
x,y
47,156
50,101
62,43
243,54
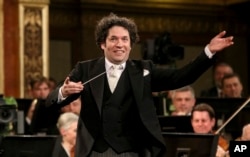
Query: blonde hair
x,y
66,119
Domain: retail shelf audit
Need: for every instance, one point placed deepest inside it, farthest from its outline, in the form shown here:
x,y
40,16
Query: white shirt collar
x,y
108,64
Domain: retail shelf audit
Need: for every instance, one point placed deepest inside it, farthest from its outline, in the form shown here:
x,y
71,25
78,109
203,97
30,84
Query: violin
x,y
223,143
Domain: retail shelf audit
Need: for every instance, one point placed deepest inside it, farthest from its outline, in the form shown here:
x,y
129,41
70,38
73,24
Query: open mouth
x,y
119,52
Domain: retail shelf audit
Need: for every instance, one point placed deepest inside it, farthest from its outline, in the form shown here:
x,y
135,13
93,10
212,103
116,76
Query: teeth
x,y
118,52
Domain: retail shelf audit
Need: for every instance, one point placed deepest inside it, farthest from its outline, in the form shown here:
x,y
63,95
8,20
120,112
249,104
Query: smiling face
x,y
202,122
232,87
117,45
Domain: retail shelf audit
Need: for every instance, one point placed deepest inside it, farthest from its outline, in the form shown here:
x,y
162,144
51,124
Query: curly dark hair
x,y
107,22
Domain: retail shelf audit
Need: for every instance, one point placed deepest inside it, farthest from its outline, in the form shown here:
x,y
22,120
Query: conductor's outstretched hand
x,y
219,42
70,87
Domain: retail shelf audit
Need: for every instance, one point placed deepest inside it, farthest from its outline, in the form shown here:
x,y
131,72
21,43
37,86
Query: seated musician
x,y
183,100
65,145
203,121
245,136
39,89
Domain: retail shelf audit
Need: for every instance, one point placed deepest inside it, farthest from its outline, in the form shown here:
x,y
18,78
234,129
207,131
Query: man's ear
x,y
103,46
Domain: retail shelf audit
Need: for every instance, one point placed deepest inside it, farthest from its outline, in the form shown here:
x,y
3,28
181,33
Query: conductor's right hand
x,y
70,87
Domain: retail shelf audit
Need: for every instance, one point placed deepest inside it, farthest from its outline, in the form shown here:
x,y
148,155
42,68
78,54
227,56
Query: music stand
x,y
190,144
175,123
27,146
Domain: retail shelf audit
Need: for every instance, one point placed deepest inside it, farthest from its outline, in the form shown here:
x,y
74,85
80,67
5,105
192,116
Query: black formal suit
x,y
44,120
143,77
211,92
58,150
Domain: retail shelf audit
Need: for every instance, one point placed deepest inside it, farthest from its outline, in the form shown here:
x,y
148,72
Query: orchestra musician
x,y
245,136
203,121
65,145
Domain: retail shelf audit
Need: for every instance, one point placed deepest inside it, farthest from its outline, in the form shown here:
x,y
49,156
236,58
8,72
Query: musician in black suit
x,y
123,122
58,150
219,71
65,144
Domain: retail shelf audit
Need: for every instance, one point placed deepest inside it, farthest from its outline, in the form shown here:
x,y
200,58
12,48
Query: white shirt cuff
x,y
60,96
208,52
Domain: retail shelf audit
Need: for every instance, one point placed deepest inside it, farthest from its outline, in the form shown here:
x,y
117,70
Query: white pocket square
x,y
145,72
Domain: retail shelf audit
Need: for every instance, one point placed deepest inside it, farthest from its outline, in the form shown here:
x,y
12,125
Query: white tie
x,y
113,78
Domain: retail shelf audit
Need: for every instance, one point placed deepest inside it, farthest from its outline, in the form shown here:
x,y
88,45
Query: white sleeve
x,y
60,96
208,52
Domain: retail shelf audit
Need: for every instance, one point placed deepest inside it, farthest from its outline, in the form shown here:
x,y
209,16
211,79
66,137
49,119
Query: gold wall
x,y
1,49
72,23
191,24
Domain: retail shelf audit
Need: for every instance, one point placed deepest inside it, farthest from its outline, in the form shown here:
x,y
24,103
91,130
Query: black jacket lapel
x,y
97,86
136,79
